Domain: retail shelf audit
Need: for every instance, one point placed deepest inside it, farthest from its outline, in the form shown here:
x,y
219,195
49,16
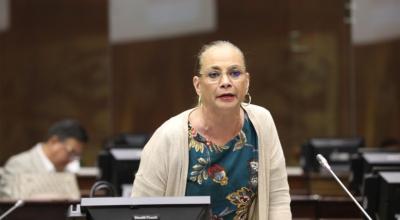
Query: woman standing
x,y
224,148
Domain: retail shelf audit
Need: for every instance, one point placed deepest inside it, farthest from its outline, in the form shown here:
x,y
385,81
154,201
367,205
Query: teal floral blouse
x,y
229,173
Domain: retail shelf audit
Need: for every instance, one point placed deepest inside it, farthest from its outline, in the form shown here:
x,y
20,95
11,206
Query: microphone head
x,y
322,161
19,203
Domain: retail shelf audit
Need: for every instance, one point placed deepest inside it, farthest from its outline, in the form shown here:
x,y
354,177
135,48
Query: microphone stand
x,y
18,204
324,163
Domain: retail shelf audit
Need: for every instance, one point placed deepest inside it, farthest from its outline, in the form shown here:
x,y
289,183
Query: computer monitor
x,y
370,194
337,151
389,201
119,165
119,141
371,188
371,160
381,159
144,208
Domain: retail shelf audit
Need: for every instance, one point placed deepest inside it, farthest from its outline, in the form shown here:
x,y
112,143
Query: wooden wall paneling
x,y
316,71
300,89
55,62
149,85
378,91
54,65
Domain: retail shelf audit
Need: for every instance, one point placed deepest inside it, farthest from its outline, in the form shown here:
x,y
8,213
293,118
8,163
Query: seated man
x,y
60,152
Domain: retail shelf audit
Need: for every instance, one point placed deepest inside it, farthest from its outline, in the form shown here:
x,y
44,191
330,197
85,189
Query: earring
x,y
199,101
249,101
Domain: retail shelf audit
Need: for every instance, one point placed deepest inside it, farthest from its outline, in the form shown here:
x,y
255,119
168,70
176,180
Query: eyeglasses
x,y
73,154
215,75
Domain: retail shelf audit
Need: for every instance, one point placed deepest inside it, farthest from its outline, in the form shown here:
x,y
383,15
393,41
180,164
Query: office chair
x,y
105,188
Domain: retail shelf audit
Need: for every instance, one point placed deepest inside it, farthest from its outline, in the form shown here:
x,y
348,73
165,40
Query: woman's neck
x,y
219,126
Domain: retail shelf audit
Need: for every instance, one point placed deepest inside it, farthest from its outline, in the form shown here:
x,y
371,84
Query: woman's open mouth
x,y
227,97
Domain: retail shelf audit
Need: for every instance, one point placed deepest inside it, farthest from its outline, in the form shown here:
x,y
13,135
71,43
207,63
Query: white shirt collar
x,y
46,162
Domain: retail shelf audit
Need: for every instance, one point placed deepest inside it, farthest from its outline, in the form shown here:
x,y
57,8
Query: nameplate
x,y
146,217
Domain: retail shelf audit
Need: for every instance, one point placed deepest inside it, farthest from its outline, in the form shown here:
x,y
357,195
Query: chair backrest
x,y
103,188
128,140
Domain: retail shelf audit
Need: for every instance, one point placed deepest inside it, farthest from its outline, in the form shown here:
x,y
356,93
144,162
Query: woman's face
x,y
223,81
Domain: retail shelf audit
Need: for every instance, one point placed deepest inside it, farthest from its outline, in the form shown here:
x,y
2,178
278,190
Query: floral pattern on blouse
x,y
227,173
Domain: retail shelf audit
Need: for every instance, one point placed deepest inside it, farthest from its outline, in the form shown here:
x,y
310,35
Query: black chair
x,y
127,140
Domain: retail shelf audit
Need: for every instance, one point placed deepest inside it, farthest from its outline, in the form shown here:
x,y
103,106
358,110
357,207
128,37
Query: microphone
x,y
324,163
18,204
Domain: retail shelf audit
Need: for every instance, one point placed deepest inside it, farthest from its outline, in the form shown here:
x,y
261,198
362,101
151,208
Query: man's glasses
x,y
72,153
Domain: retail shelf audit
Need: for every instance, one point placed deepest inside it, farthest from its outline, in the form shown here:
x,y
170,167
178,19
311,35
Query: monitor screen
x,y
337,151
144,208
119,165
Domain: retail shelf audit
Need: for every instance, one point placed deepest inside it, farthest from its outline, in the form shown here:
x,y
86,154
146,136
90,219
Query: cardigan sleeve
x,y
151,178
164,161
279,203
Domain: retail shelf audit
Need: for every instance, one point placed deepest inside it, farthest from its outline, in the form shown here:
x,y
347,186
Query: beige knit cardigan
x,y
165,159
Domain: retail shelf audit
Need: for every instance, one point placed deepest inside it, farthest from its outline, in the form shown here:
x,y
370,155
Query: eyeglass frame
x,y
73,154
219,77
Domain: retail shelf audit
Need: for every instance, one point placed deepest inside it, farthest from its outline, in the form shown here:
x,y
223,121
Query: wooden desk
x,y
321,184
87,176
316,207
298,181
43,210
51,209
324,184
303,207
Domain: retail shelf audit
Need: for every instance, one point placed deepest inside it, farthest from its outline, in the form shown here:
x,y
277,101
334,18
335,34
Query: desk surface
x,y
299,182
315,183
324,207
43,210
87,176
